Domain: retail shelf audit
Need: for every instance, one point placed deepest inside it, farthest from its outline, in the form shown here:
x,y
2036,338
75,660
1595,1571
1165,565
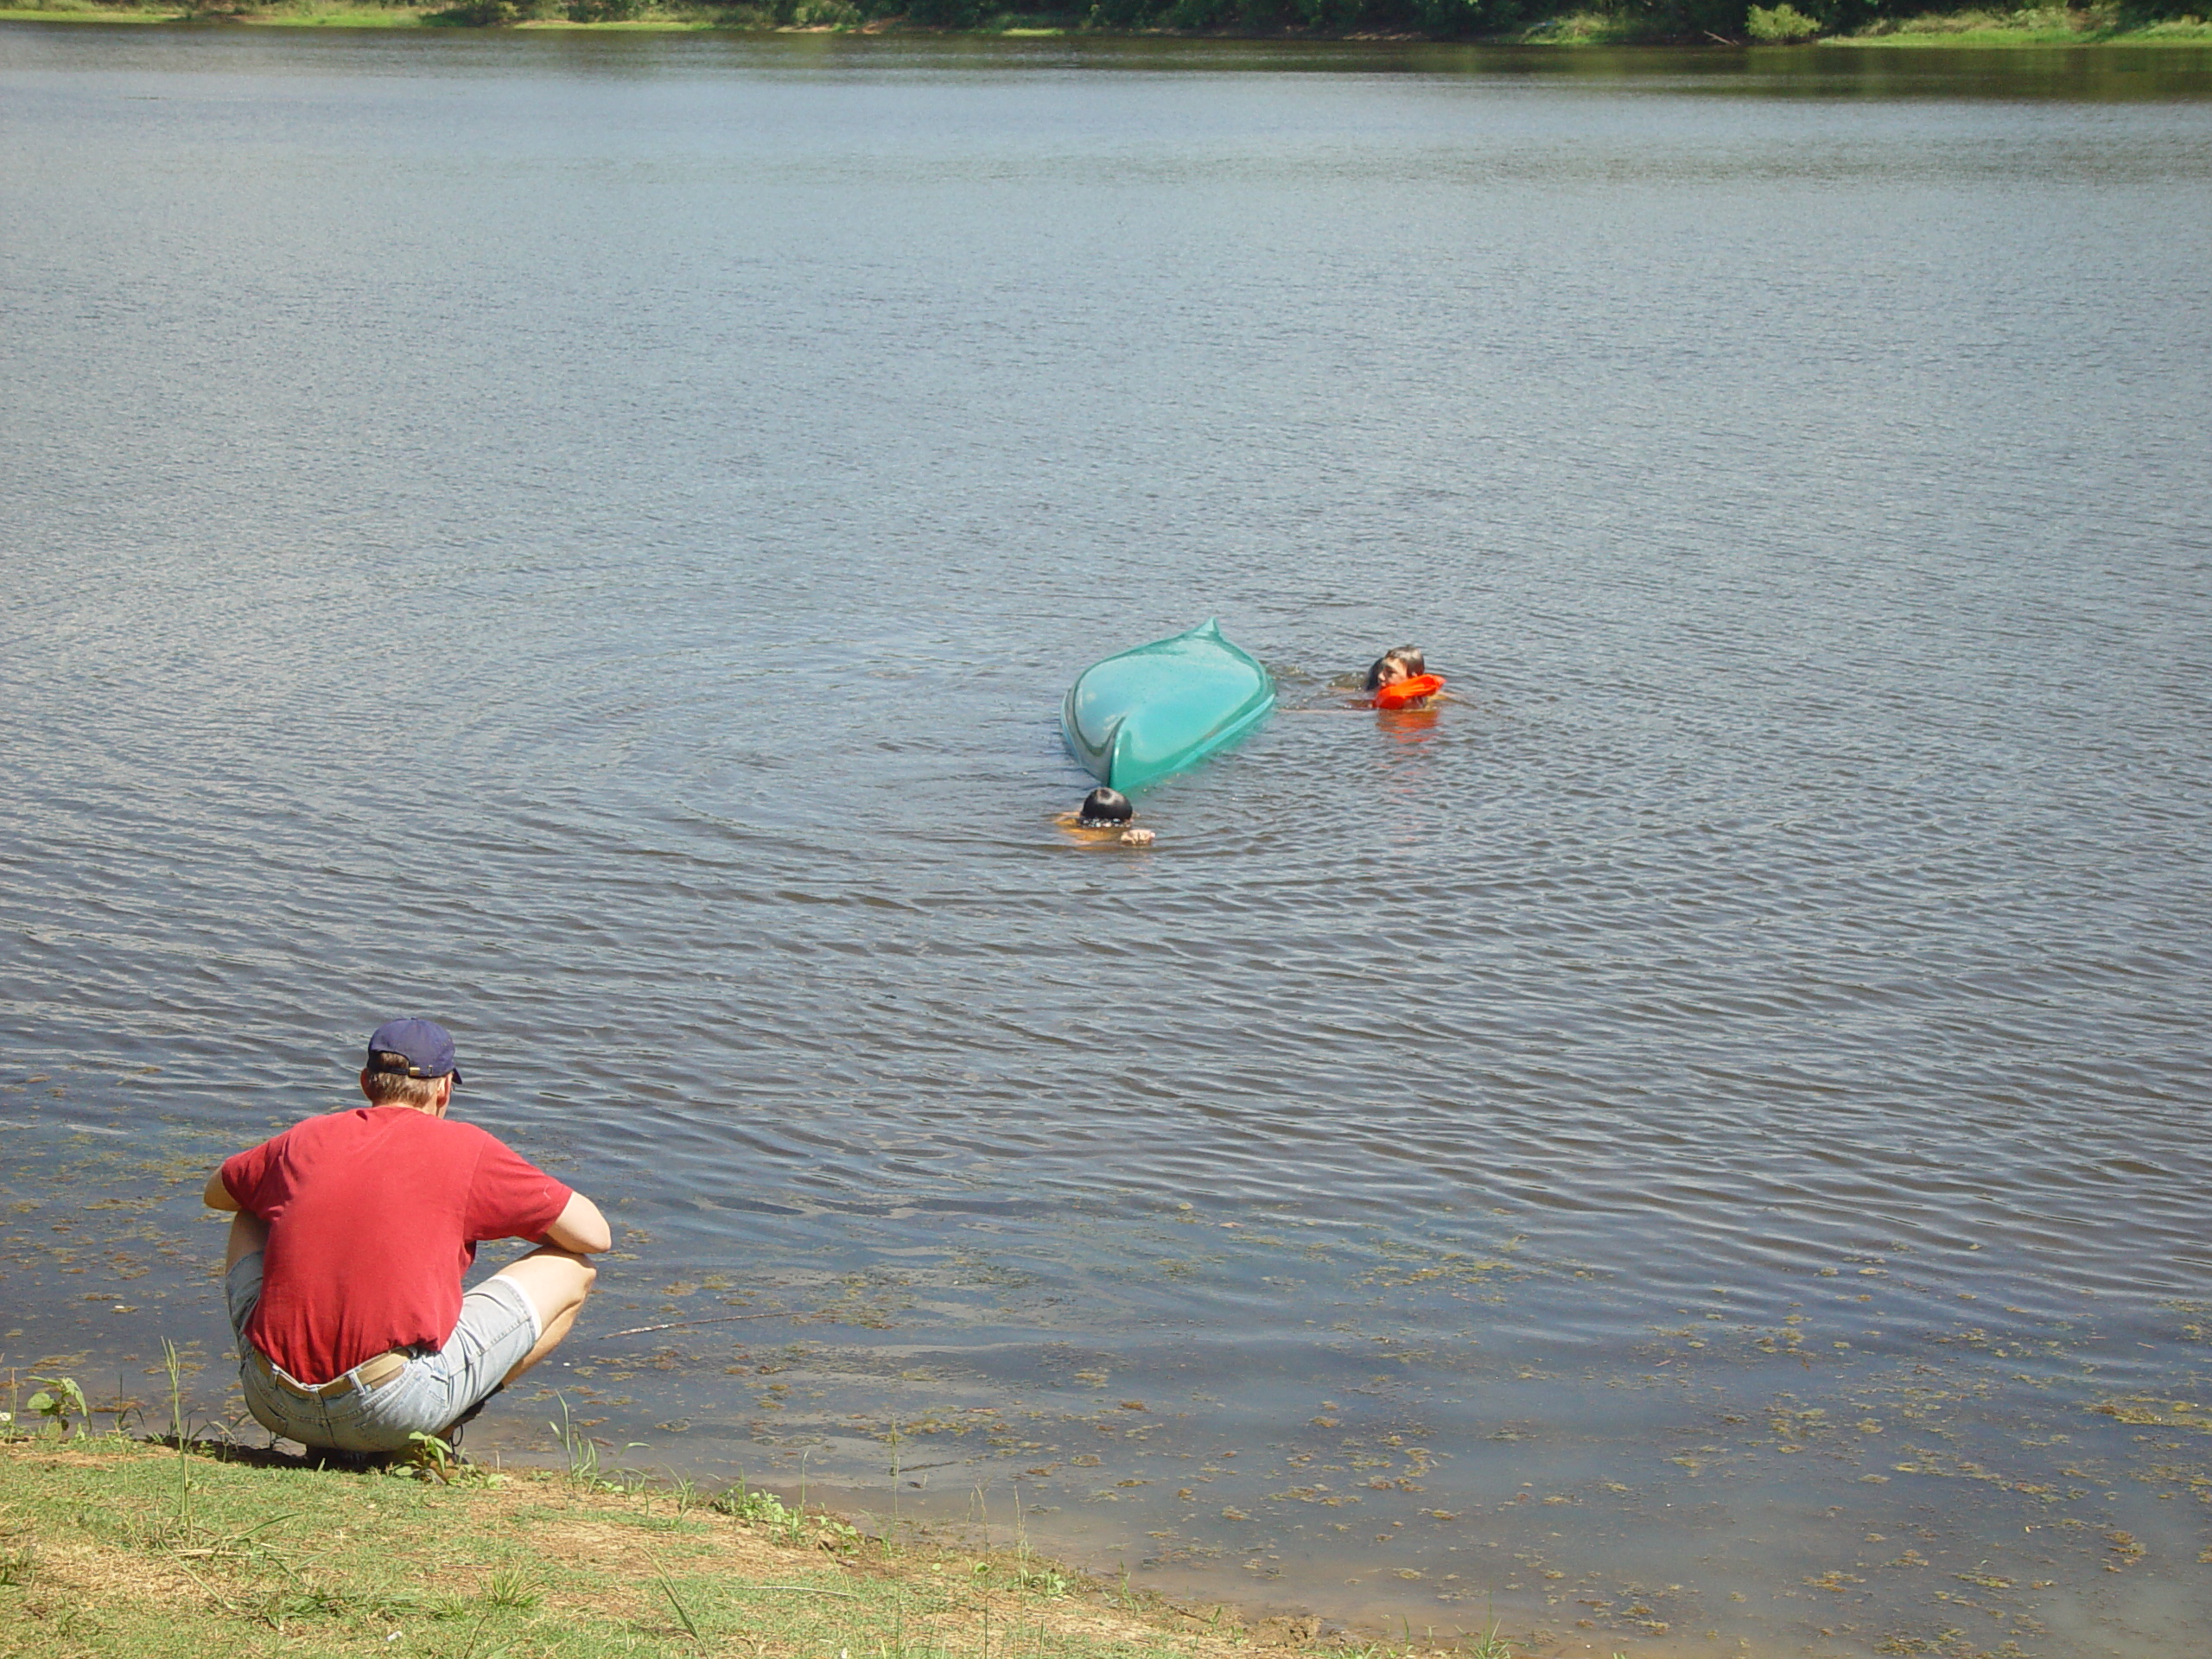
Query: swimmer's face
x,y
1393,671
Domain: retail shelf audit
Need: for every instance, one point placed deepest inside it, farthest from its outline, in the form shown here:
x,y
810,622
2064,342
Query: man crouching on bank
x,y
347,1255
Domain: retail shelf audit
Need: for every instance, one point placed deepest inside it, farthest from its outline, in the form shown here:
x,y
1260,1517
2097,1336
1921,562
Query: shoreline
x,y
135,1547
2050,28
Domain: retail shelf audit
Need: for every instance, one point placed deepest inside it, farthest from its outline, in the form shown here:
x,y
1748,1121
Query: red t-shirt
x,y
374,1215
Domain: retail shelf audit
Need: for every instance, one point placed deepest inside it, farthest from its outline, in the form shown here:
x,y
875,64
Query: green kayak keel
x,y
1153,710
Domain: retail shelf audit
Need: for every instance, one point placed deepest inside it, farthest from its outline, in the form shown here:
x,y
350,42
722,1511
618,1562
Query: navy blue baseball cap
x,y
415,1048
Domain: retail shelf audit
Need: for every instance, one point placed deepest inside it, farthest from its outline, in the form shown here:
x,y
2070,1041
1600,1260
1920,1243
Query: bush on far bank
x,y
1780,24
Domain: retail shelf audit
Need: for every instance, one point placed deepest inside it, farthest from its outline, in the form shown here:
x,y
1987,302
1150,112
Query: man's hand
x,y
579,1228
216,1196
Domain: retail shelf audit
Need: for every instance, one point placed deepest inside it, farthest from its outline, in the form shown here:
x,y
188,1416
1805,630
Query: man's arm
x,y
216,1196
579,1227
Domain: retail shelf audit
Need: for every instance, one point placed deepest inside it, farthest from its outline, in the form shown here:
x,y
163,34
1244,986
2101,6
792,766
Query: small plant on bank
x,y
785,1522
766,1510
795,1536
173,1365
511,1590
668,1589
430,1458
58,1399
1037,1579
578,1446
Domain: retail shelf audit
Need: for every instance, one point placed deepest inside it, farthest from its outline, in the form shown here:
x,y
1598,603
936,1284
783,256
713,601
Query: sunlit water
x,y
1696,1147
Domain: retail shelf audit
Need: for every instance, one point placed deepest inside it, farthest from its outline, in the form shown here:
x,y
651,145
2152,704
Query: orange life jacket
x,y
1405,693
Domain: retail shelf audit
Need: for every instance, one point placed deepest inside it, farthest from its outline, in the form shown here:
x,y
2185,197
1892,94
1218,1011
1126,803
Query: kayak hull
x,y
1154,710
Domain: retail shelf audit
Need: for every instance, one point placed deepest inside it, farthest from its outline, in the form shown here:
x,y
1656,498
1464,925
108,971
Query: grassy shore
x,y
110,1546
2043,26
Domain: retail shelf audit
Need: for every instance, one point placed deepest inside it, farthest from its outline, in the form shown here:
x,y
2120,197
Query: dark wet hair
x,y
1409,657
1103,807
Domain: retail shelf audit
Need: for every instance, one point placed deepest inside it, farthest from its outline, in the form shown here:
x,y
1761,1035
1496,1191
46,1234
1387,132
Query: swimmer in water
x,y
1398,680
1400,663
1106,811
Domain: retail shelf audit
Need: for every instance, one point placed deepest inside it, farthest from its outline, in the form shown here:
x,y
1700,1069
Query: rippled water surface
x,y
1697,1147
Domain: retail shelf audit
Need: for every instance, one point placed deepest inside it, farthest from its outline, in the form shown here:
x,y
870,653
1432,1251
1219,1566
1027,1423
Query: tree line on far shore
x,y
1528,21
1441,19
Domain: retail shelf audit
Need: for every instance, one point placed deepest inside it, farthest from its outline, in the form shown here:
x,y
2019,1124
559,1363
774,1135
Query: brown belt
x,y
372,1373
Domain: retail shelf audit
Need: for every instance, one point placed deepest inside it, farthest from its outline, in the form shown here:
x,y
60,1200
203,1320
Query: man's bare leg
x,y
249,1233
556,1281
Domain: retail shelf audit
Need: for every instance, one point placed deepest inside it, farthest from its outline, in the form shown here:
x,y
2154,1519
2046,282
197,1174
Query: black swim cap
x,y
1103,807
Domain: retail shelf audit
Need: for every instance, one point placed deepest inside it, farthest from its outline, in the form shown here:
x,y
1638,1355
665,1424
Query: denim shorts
x,y
498,1327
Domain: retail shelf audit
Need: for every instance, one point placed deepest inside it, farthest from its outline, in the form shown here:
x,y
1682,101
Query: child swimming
x,y
1103,811
1399,679
1399,663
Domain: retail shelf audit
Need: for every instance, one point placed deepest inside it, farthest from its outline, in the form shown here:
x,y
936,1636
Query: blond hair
x,y
397,1089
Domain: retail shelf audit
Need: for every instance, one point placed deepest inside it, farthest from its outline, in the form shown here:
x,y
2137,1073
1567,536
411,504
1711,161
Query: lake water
x,y
1697,1147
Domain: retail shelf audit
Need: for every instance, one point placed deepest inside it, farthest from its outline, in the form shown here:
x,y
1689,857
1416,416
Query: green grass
x,y
108,1548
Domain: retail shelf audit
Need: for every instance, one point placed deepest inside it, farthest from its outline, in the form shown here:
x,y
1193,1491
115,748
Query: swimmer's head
x,y
1387,671
1103,809
1401,663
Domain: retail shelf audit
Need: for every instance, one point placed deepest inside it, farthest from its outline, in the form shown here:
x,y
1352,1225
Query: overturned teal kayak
x,y
1154,710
